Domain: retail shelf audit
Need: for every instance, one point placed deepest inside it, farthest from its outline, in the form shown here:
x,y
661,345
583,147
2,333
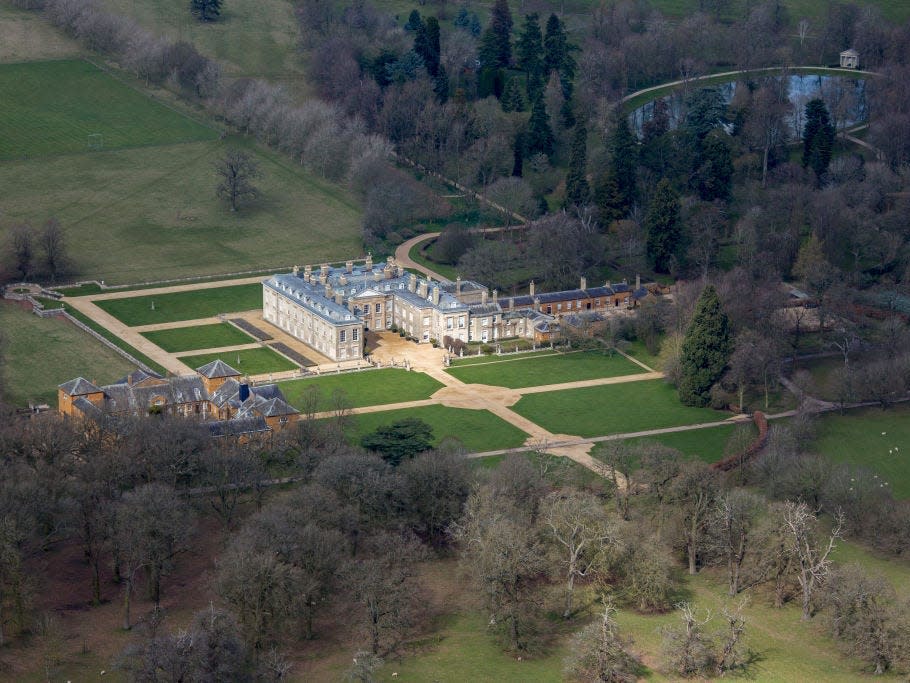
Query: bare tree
x,y
599,653
689,650
237,170
693,491
53,245
153,526
583,533
733,519
23,249
810,553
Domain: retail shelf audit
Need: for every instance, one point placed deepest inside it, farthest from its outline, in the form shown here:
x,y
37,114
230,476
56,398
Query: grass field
x,y
190,305
489,358
478,430
639,352
26,35
251,37
612,409
249,361
151,213
857,438
520,371
368,388
49,108
706,445
40,353
198,337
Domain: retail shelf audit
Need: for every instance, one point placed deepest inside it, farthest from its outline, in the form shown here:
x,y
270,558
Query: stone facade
x,y
331,308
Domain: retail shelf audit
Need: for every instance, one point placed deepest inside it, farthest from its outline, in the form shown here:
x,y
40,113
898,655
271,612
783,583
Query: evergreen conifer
x,y
705,350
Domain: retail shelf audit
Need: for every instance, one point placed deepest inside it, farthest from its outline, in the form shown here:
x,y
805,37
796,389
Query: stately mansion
x,y
331,308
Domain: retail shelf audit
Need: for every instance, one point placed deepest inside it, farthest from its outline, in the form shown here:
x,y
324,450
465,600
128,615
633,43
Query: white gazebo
x,y
849,59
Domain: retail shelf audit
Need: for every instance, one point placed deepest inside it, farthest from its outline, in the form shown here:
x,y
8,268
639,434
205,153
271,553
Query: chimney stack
x,y
349,266
637,282
377,275
388,271
511,304
307,271
412,283
328,291
584,283
369,262
608,285
399,270
531,288
435,296
458,286
422,291
339,298
296,271
483,297
536,304
495,296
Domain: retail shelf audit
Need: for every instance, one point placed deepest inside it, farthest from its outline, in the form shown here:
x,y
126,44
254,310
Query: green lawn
x,y
27,35
612,409
257,38
366,388
699,444
150,213
117,341
519,371
857,438
40,353
639,352
249,362
198,337
478,430
50,108
489,358
190,305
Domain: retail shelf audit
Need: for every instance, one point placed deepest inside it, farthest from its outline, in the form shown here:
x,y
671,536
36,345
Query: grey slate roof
x,y
79,387
237,427
217,368
137,376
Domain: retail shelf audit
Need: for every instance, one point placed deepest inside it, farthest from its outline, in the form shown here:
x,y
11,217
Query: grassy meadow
x,y
612,409
707,445
40,353
249,361
367,388
26,35
477,430
857,438
528,371
189,305
51,108
198,337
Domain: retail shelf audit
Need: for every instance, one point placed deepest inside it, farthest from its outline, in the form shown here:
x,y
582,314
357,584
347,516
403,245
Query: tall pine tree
x,y
705,350
818,138
616,191
496,43
529,54
539,137
662,222
577,190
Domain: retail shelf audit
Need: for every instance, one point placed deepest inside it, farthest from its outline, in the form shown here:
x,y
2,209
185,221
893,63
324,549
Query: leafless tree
x,y
600,654
22,245
53,247
237,171
733,518
694,491
584,535
689,649
810,552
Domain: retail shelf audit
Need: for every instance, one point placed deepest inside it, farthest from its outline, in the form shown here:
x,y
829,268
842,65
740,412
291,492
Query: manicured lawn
x,y
150,213
857,438
117,341
366,388
518,371
198,303
40,353
198,337
478,430
699,444
612,409
479,360
639,352
50,108
249,362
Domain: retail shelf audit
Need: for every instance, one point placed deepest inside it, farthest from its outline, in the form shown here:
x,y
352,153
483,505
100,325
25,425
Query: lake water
x,y
844,96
